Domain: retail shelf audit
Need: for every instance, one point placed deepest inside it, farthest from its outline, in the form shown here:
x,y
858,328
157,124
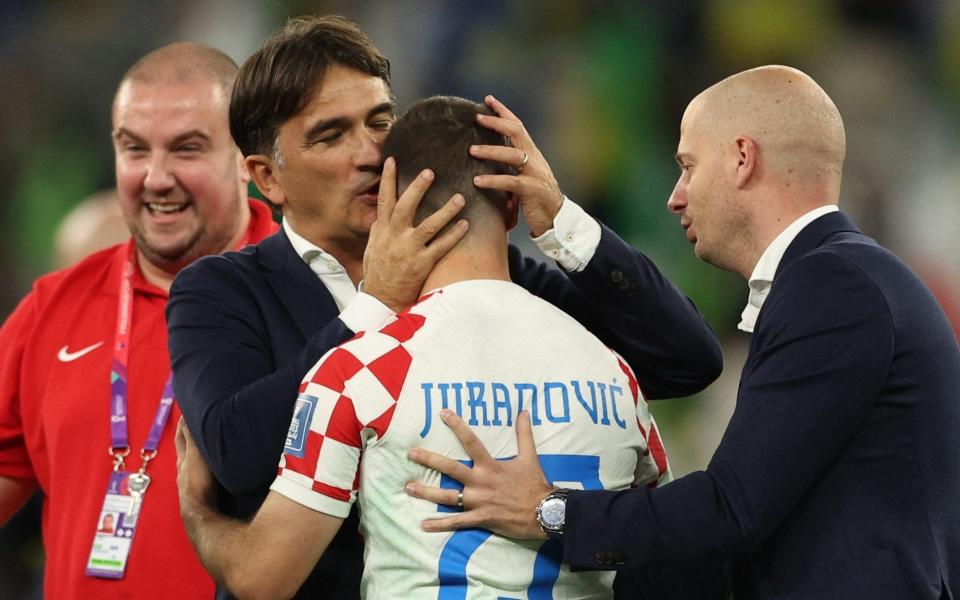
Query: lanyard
x,y
119,441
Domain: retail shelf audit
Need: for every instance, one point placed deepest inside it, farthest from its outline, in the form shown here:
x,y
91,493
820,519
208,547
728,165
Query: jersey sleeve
x,y
14,458
346,401
653,467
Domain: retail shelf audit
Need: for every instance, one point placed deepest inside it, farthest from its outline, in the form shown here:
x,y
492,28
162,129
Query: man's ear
x,y
511,213
264,173
748,157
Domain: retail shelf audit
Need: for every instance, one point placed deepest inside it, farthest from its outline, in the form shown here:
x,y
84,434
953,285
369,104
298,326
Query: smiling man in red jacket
x,y
85,400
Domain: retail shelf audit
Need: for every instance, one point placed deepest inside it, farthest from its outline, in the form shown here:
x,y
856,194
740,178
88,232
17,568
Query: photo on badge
x,y
115,526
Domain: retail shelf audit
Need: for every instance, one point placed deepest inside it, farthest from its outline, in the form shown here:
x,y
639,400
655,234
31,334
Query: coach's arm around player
x,y
268,557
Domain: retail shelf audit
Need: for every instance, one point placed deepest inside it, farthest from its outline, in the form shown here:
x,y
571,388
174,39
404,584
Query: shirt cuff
x,y
366,313
574,238
304,494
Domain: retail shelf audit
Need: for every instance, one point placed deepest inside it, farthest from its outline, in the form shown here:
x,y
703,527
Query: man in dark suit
x,y
839,473
310,111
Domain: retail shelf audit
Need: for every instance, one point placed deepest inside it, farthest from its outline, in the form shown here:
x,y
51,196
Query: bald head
x,y
182,63
757,151
180,177
792,119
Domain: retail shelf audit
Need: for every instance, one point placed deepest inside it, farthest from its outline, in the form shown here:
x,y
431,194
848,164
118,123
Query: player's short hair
x,y
280,78
436,133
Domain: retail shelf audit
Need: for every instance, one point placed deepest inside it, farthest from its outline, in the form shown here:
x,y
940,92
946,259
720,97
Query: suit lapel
x,y
814,235
306,299
811,237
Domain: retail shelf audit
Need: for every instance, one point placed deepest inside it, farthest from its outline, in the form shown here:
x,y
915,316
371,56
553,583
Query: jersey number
x,y
566,468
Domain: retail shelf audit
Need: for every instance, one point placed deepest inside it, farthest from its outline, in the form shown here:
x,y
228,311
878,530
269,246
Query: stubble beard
x,y
174,257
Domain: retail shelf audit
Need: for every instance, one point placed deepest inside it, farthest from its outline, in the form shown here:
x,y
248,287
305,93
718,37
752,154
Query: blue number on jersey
x,y
546,568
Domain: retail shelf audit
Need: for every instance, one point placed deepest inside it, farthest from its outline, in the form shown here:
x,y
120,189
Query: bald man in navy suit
x,y
839,473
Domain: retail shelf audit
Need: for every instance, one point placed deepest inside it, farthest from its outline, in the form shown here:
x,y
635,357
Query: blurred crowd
x,y
600,85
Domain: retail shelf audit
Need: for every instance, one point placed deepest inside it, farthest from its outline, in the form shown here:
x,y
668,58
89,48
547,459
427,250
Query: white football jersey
x,y
486,350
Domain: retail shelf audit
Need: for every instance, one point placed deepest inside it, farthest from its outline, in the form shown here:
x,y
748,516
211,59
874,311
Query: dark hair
x,y
436,133
278,81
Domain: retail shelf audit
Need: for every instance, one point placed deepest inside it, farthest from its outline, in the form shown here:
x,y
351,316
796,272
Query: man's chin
x,y
365,221
167,253
711,258
701,251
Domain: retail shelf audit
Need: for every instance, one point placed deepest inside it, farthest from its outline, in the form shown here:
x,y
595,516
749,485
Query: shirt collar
x,y
762,277
319,261
118,264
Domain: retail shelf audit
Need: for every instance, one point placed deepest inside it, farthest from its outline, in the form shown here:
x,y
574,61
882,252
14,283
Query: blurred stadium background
x,y
600,85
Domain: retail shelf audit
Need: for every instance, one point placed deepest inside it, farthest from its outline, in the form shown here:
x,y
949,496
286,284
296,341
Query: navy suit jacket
x,y
839,473
245,327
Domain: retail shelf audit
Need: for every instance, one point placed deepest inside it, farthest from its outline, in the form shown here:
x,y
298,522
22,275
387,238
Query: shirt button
x,y
555,253
569,237
616,275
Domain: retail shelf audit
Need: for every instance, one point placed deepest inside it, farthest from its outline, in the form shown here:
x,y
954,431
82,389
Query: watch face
x,y
554,512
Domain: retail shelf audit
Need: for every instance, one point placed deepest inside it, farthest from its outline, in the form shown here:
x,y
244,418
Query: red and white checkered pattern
x,y
371,367
475,345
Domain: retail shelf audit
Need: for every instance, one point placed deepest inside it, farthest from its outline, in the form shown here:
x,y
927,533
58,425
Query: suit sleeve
x,y
816,366
236,401
623,299
14,458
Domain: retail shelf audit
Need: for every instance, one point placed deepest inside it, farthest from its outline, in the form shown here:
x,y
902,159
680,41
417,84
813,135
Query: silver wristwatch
x,y
552,513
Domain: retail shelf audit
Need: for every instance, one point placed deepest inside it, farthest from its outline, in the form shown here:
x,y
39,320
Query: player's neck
x,y
471,259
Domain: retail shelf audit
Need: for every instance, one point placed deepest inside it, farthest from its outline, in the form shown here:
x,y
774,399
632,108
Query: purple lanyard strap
x,y
119,440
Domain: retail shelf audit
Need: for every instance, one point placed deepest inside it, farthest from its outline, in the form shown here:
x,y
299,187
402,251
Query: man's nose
x,y
369,145
678,198
159,177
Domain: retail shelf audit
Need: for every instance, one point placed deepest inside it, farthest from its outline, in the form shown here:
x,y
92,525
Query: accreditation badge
x,y
116,524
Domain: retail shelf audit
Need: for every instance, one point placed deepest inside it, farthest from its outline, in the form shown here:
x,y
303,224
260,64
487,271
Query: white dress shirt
x,y
573,239
762,277
572,243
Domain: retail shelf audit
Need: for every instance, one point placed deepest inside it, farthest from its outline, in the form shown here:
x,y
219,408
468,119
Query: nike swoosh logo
x,y
65,356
